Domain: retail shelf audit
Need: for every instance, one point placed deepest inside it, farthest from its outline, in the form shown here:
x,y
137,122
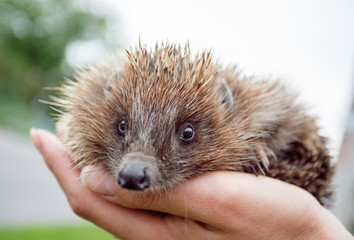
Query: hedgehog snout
x,y
135,173
134,176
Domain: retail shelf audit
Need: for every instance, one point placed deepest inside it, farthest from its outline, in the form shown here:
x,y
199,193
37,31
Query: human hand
x,y
217,205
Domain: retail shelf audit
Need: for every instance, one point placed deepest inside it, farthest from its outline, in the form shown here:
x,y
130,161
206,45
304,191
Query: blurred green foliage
x,y
60,232
34,35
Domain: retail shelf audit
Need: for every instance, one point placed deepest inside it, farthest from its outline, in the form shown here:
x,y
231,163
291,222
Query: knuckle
x,y
78,205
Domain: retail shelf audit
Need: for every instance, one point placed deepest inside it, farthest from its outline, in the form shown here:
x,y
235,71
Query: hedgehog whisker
x,y
52,88
58,100
57,110
50,103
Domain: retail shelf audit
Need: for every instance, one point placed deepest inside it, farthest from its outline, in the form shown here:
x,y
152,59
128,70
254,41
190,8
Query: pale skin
x,y
217,205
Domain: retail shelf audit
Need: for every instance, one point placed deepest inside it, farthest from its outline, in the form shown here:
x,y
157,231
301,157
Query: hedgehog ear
x,y
111,79
108,86
226,98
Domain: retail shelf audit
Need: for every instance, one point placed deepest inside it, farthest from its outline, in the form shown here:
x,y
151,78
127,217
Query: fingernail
x,y
98,181
35,139
83,175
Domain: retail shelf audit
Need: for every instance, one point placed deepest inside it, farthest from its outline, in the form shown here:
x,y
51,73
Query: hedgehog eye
x,y
186,132
123,127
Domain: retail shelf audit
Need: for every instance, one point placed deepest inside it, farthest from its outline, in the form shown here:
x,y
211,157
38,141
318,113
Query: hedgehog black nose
x,y
134,176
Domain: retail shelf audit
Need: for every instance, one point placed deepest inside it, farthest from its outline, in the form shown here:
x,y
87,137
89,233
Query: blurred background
x,y
308,44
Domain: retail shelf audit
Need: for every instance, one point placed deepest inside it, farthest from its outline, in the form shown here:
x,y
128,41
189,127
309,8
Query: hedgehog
x,y
157,117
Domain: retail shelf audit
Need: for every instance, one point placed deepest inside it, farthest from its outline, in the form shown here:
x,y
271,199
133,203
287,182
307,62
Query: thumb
x,y
99,181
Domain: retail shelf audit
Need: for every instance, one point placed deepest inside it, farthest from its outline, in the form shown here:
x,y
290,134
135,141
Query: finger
x,y
56,158
116,219
214,197
203,198
193,199
98,180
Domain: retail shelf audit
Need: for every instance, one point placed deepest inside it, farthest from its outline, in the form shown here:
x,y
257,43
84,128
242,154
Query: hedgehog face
x,y
158,140
156,122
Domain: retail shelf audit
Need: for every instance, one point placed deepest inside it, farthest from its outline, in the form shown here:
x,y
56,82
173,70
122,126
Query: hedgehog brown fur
x,y
142,105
